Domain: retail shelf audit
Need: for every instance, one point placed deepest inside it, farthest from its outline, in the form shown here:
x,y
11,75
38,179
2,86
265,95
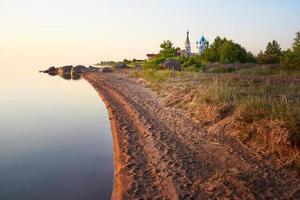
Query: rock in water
x,y
65,69
79,69
171,64
52,70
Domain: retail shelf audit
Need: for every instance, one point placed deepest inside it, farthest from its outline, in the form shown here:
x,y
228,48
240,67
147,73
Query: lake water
x,y
55,139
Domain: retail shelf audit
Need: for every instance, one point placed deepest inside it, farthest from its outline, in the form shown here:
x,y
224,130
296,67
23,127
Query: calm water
x,y
55,139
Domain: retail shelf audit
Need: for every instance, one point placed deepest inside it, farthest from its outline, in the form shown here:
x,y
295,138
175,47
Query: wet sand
x,y
160,153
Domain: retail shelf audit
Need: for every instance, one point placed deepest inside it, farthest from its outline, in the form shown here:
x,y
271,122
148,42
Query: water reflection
x,y
55,140
75,76
71,76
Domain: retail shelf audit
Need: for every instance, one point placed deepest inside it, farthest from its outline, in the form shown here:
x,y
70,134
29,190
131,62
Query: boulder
x,y
79,69
65,69
93,69
51,70
106,70
120,65
171,64
65,76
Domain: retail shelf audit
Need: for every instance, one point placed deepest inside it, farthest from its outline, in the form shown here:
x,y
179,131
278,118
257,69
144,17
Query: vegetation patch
x,y
261,113
228,90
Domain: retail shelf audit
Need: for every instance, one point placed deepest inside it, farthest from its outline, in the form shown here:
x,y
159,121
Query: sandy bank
x,y
160,153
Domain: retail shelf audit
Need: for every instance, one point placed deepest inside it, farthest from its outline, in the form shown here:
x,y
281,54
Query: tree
x,y
296,44
231,52
167,49
287,59
273,48
226,51
290,59
296,51
250,57
214,52
272,53
262,58
126,61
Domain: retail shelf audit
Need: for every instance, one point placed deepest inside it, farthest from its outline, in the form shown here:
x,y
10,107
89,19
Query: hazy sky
x,y
58,32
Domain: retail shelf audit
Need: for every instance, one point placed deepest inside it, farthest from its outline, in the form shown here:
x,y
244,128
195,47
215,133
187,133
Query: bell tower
x,y
188,44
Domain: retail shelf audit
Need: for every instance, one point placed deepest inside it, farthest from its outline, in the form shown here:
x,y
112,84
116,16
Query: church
x,y
201,45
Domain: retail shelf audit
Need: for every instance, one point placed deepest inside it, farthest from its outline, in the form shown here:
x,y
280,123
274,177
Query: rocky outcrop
x,y
68,70
171,64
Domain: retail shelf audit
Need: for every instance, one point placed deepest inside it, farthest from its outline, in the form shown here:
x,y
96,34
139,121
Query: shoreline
x,y
117,186
160,153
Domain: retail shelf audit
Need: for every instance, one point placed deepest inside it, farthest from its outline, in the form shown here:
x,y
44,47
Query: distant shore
x,y
161,153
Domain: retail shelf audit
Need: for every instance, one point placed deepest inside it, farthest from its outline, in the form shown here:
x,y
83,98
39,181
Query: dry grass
x,y
264,111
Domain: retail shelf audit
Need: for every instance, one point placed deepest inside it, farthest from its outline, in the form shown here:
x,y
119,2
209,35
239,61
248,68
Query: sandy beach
x,y
160,153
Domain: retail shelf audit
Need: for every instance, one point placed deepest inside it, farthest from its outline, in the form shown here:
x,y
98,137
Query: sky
x,y
60,32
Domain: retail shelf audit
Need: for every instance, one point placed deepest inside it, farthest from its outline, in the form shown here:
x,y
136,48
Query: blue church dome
x,y
202,39
201,44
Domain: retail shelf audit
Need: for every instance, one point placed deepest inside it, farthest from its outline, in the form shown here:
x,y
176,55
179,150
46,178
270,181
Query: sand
x,y
160,153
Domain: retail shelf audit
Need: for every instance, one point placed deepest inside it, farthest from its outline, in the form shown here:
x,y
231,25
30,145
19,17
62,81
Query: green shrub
x,y
194,61
150,65
192,68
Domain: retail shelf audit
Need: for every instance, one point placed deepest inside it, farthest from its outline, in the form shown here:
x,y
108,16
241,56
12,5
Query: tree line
x,y
225,51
